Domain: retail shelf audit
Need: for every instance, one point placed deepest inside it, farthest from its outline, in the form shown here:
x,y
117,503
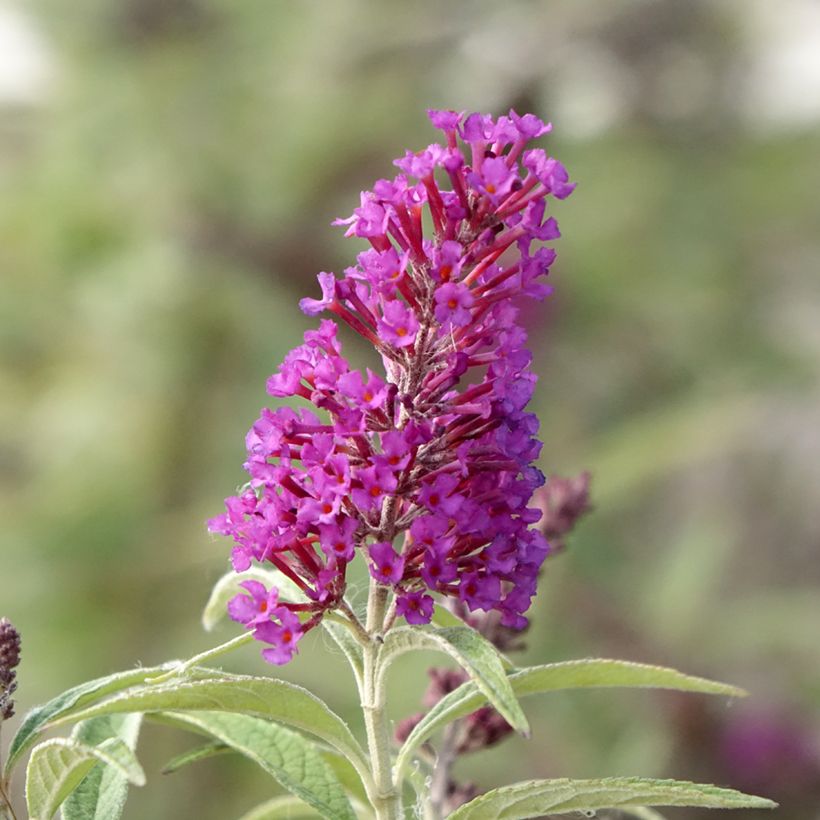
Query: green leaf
x,y
58,766
281,808
472,651
288,807
73,699
102,793
346,775
287,756
581,674
537,797
260,697
195,755
443,617
216,610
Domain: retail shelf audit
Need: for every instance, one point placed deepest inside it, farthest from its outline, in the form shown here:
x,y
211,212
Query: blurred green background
x,y
168,173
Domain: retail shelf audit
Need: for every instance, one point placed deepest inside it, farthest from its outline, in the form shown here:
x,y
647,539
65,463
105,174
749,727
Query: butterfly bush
x,y
426,467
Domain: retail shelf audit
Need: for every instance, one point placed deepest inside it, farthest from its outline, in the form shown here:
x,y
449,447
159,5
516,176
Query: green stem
x,y
352,623
209,654
442,770
6,809
386,798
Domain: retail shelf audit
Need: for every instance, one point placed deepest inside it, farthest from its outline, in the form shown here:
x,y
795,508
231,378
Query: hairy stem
x,y
352,623
386,797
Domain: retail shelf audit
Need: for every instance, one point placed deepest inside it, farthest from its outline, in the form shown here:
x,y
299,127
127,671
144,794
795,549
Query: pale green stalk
x,y
386,798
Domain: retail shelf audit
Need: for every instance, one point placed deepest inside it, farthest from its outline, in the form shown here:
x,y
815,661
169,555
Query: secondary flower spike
x,y
9,660
426,468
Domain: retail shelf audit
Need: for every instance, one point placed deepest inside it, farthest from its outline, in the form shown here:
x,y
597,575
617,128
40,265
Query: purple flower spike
x,y
9,660
435,452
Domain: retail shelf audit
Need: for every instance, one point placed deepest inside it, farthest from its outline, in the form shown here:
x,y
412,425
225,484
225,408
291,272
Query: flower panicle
x,y
427,467
9,660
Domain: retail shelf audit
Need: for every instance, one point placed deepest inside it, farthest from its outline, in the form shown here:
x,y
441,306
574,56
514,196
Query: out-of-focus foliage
x,y
166,192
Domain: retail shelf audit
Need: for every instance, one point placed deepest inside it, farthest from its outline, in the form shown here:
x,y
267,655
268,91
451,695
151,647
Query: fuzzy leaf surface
x,y
103,791
582,674
538,797
287,756
57,767
265,698
281,808
196,754
73,699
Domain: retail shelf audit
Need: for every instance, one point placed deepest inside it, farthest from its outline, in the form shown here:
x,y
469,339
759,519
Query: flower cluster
x,y
427,467
9,659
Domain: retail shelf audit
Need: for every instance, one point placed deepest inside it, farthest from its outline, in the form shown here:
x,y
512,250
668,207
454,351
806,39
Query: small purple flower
x,y
453,303
439,495
415,607
479,591
447,261
376,483
370,393
478,128
398,324
283,636
368,220
529,126
386,567
254,608
495,180
549,172
445,120
336,539
396,451
312,307
384,270
437,571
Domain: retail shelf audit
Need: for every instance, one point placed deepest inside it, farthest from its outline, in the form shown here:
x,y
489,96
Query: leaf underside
x,y
59,765
581,674
537,797
102,793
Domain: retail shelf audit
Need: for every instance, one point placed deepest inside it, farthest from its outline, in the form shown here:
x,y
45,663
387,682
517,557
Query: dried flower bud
x,y
562,501
9,659
458,794
442,682
404,727
483,728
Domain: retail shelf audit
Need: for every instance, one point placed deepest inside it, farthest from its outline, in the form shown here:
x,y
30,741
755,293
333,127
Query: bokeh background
x,y
168,173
